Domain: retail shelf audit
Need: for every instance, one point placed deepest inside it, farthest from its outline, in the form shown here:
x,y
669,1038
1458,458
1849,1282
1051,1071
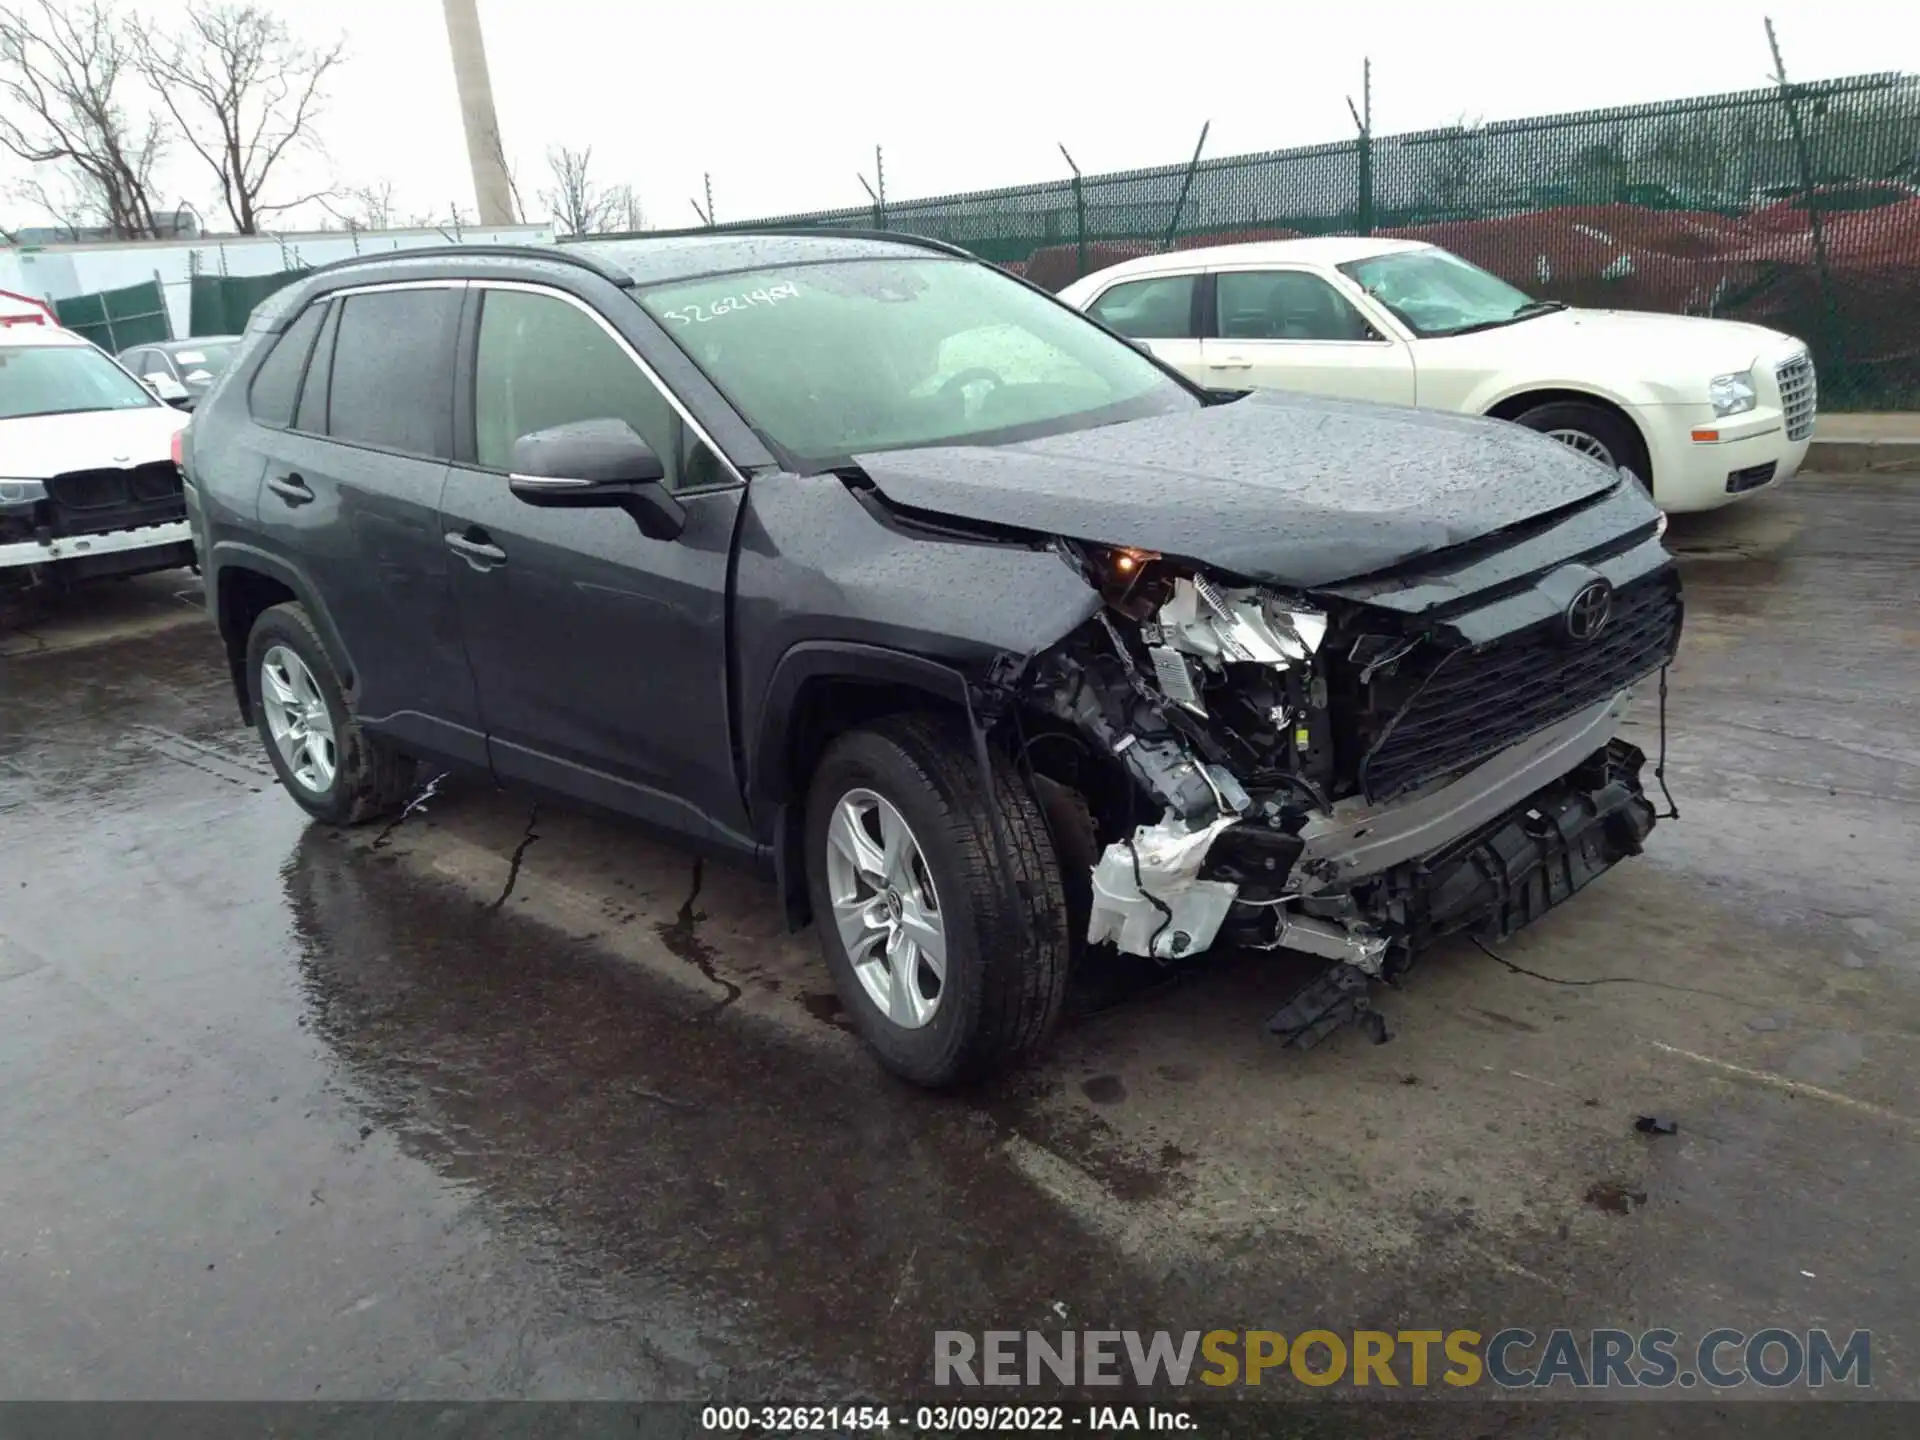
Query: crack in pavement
x,y
418,802
679,935
1584,982
519,854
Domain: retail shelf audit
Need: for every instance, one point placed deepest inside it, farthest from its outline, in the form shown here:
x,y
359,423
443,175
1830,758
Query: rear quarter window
x,y
276,384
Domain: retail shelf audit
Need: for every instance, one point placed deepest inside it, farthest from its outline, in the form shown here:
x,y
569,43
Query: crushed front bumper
x,y
1492,881
111,552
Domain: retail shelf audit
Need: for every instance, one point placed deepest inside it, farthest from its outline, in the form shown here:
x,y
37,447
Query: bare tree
x,y
579,206
244,93
364,207
63,76
623,209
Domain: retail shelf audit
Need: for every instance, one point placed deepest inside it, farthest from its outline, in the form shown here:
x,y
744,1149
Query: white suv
x,y
1703,411
89,479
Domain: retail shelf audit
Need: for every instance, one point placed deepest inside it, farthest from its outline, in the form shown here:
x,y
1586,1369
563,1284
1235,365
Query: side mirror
x,y
165,387
596,464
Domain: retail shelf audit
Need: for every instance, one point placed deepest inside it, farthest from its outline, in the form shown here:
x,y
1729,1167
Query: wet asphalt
x,y
508,1101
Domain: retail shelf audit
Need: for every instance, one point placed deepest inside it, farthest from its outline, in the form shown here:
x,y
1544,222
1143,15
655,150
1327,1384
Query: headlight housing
x,y
21,492
1732,394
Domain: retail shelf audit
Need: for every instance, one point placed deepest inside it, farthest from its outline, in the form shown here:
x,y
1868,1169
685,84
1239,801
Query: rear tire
x,y
1592,431
1002,976
336,771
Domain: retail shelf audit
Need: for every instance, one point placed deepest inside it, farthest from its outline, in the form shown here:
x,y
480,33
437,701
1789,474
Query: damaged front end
x,y
1350,772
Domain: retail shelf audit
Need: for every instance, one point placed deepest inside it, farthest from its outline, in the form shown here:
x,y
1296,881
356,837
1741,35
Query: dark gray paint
x,y
1285,489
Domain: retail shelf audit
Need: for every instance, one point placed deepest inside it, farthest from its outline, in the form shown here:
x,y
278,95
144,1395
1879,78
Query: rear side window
x,y
1156,309
392,376
277,381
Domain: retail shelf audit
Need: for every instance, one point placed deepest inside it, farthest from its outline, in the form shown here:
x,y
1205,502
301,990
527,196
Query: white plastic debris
x,y
1159,863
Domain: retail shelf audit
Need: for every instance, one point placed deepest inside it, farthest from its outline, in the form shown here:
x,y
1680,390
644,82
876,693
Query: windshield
x,y
198,365
832,360
1435,292
63,380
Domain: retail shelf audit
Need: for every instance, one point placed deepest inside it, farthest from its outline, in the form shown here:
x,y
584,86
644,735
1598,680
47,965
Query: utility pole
x,y
492,190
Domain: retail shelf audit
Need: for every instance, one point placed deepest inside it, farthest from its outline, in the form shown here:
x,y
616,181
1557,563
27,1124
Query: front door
x,y
1290,329
601,655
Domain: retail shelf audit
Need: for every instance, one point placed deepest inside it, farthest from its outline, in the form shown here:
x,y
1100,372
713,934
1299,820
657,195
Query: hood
x,y
1686,350
36,447
1284,489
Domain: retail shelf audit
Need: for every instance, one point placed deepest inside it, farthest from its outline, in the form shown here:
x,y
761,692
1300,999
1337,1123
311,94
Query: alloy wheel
x,y
886,908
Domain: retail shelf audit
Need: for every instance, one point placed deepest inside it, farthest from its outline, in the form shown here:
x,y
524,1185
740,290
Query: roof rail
x,y
898,237
560,253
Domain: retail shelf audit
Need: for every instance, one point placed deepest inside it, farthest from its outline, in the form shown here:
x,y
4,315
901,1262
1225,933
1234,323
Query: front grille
x,y
1799,395
89,502
105,489
1475,703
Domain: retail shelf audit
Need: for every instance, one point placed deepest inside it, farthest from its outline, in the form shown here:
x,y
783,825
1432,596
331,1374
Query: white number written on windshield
x,y
728,304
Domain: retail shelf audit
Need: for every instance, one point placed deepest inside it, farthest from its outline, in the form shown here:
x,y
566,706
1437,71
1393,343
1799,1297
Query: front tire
x,y
950,966
336,771
1592,431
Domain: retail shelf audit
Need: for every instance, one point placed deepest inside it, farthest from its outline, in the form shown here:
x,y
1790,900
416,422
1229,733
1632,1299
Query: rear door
x,y
600,654
1290,328
1160,311
351,496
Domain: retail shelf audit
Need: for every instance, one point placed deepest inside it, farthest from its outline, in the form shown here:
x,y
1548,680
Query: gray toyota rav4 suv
x,y
999,646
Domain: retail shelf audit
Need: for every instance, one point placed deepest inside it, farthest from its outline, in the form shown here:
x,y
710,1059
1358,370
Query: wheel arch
x,y
247,581
1512,407
820,690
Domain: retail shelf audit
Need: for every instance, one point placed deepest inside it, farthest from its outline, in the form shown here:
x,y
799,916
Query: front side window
x,y
1434,292
1157,309
64,380
542,362
1285,305
836,359
392,381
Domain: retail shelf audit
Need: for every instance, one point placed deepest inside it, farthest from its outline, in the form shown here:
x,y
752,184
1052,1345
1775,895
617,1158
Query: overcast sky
x,y
784,102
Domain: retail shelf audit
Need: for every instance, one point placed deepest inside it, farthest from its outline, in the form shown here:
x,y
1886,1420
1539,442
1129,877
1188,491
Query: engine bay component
x,y
1148,897
1351,944
1237,625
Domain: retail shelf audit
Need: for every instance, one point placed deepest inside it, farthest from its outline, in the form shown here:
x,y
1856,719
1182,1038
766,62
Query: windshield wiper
x,y
1525,312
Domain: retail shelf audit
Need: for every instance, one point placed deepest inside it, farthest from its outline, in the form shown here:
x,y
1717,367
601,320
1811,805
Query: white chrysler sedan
x,y
1703,411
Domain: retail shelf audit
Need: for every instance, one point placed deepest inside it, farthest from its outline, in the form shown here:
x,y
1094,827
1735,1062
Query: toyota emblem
x,y
1589,611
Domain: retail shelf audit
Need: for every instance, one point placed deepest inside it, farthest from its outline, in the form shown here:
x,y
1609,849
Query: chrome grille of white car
x,y
1799,395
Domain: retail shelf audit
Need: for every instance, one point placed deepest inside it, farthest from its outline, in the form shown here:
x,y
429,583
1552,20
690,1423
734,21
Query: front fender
x,y
770,784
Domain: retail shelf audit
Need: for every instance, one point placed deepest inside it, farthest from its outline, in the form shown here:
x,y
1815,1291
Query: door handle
x,y
290,488
1232,362
474,547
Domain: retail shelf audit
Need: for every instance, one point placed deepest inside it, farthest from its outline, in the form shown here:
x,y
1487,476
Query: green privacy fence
x,y
220,304
1795,207
116,319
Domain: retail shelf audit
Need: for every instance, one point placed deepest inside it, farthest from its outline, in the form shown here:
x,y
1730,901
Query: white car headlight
x,y
21,492
1732,394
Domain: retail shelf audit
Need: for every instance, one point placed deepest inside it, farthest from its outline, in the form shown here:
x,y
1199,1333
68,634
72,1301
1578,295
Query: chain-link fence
x,y
1795,207
220,304
117,319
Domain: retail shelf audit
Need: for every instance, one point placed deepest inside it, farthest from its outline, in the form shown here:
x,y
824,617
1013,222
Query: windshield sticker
x,y
730,304
190,357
